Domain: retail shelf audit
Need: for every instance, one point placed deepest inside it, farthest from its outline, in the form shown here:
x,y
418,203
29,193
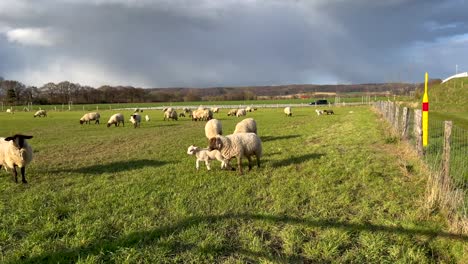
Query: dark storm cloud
x,y
245,42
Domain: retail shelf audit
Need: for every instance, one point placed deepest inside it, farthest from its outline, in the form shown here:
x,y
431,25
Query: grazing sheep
x,y
10,111
41,113
247,125
147,118
181,115
248,109
187,110
239,146
206,155
329,112
213,128
16,152
87,118
232,112
288,111
319,112
202,114
136,120
116,119
241,112
170,114
215,109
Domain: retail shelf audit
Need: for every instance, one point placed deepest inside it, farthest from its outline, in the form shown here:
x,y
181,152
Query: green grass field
x,y
331,189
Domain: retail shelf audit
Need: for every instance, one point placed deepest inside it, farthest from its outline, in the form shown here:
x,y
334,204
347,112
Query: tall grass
x,y
331,189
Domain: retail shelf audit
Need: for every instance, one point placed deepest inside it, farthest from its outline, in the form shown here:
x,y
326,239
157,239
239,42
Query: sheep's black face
x,y
81,122
18,140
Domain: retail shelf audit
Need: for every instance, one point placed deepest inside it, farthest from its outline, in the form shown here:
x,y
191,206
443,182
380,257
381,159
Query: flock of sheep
x,y
15,152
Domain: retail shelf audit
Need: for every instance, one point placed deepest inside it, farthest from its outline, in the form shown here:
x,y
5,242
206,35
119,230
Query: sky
x,y
208,43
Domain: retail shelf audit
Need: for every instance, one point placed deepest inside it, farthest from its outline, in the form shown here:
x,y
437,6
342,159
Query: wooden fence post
x,y
446,153
395,119
404,123
418,131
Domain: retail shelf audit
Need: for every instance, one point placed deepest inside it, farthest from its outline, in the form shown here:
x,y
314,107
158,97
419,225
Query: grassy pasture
x,y
330,189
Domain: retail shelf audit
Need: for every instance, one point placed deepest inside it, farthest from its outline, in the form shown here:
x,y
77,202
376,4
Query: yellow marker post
x,y
425,112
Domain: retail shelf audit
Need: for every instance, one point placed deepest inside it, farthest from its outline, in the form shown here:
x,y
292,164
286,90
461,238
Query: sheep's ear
x,y
9,138
219,143
25,136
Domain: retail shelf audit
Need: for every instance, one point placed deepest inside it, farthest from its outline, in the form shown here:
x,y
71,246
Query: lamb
x,y
288,111
16,152
319,112
181,115
147,118
206,155
136,120
213,128
41,113
116,119
215,109
87,118
241,112
238,145
329,112
247,125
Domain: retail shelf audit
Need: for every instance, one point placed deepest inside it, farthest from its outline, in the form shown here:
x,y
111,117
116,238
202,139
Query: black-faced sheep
x,y
288,111
87,118
136,120
40,113
116,119
16,152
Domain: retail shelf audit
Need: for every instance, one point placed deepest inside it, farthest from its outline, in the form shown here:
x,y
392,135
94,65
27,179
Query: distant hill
x,y
451,96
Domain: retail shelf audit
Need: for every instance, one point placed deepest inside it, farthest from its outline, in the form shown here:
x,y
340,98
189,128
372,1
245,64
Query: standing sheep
x,y
87,118
247,125
135,119
232,112
170,114
215,109
241,112
147,118
41,113
288,111
239,146
116,119
213,128
16,152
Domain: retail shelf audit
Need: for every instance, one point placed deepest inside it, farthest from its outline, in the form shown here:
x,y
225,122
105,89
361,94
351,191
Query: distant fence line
x,y
446,156
97,107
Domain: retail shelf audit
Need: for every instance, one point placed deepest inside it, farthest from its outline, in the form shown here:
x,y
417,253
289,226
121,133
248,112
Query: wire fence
x,y
445,155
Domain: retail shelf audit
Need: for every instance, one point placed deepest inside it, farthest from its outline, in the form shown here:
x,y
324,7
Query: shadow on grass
x,y
297,159
272,138
156,237
118,166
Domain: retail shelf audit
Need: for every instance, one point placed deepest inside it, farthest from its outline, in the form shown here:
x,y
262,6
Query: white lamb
x,y
87,118
288,111
16,152
41,113
116,119
135,119
10,111
147,118
319,112
213,128
247,125
206,155
239,146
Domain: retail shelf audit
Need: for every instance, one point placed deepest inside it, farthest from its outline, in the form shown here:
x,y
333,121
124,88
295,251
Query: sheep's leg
x,y
258,160
239,164
207,162
15,174
196,164
250,162
23,175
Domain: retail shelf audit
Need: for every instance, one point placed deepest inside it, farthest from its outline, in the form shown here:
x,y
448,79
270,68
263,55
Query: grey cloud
x,y
176,43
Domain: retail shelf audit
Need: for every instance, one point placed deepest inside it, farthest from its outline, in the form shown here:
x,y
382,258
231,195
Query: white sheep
x,y
206,155
232,112
248,109
10,111
170,114
213,128
15,152
135,119
288,111
241,112
238,145
215,109
116,119
87,118
247,125
41,113
319,112
147,118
